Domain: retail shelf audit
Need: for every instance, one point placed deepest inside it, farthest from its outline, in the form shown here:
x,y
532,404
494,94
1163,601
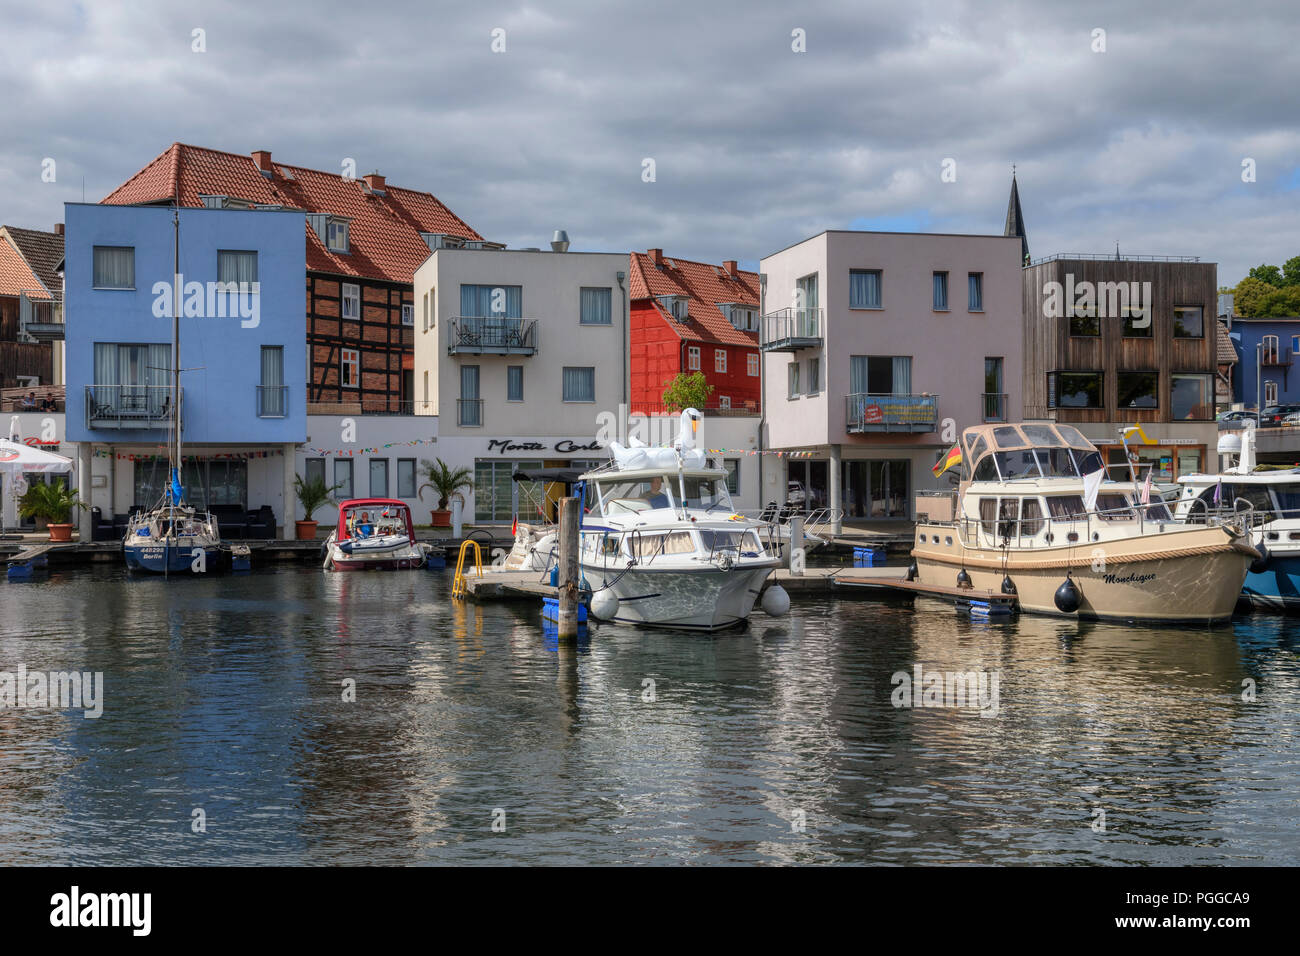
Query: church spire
x,y
1016,220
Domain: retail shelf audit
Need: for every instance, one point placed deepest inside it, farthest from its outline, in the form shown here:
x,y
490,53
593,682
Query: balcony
x,y
130,406
491,335
995,406
790,330
469,412
41,318
272,401
867,413
1274,357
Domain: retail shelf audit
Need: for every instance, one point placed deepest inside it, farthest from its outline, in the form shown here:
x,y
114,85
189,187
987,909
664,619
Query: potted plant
x,y
54,504
444,481
312,495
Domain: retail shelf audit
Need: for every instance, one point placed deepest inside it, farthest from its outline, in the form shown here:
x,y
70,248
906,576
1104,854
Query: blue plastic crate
x,y
868,557
436,561
551,610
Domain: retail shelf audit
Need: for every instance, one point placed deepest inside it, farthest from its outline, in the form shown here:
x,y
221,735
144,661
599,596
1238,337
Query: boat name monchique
x,y
1133,578
564,447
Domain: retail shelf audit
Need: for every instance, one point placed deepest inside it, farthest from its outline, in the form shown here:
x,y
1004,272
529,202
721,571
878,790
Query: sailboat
x,y
173,537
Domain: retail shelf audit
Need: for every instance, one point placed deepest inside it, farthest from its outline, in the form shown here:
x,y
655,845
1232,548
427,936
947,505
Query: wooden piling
x,y
570,521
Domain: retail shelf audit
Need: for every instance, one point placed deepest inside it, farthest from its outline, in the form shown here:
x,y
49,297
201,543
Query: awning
x,y
15,457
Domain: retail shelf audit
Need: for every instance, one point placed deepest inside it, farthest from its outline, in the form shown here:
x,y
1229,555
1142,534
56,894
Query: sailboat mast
x,y
176,353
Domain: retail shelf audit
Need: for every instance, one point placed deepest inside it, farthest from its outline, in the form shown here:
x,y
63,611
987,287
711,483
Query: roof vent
x,y
560,241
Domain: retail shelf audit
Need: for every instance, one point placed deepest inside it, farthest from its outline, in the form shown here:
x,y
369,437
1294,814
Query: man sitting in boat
x,y
655,495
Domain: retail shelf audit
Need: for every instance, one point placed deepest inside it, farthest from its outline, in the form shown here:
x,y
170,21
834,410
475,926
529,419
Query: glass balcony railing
x,y
866,412
789,330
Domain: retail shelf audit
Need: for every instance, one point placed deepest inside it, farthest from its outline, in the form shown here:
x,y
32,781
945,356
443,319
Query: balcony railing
x,y
789,330
866,412
491,335
40,318
469,412
995,406
272,401
389,405
130,406
1275,357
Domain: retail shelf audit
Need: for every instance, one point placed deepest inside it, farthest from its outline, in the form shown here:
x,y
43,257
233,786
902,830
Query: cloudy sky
x,y
755,145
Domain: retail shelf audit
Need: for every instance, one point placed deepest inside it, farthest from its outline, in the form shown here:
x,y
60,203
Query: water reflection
x,y
365,718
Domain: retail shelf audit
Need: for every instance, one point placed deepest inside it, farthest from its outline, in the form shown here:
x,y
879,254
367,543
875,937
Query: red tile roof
x,y
43,252
384,234
706,286
17,276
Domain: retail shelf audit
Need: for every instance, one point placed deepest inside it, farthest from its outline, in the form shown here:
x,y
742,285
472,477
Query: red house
x,y
365,239
688,317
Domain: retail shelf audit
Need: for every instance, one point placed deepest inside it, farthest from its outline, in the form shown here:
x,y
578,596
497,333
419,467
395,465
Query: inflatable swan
x,y
638,455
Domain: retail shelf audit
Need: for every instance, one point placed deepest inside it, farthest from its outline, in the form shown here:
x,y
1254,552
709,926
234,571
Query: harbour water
x,y
224,703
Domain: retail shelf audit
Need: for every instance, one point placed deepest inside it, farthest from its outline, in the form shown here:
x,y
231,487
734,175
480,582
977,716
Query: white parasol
x,y
16,458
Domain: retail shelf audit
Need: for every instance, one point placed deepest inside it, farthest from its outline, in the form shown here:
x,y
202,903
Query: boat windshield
x,y
642,494
373,521
709,494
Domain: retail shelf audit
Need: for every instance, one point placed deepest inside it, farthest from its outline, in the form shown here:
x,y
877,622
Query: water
x,y
225,695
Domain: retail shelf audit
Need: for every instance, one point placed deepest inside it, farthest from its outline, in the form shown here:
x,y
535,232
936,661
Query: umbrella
x,y
16,458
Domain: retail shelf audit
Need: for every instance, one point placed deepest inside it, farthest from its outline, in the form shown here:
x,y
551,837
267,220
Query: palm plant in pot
x,y
444,481
53,503
312,495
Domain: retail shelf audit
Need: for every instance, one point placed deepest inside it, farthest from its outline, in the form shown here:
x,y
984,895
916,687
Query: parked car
x,y
1291,419
1272,416
1239,416
794,494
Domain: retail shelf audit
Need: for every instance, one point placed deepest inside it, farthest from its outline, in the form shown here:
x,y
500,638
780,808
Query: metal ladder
x,y
459,586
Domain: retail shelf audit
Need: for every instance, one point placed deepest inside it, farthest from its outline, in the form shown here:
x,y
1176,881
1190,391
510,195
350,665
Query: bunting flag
x,y
755,451
947,461
369,450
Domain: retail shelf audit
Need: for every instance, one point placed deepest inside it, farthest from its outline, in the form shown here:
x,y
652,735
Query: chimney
x,y
58,228
374,182
262,160
656,256
560,241
730,266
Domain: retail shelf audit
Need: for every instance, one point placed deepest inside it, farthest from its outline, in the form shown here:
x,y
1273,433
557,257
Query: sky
x,y
714,130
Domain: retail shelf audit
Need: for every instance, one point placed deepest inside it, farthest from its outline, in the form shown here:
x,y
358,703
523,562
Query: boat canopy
x,y
377,516
568,476
1027,450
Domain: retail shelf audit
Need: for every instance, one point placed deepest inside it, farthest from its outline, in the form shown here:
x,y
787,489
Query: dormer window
x,y
440,240
676,306
336,235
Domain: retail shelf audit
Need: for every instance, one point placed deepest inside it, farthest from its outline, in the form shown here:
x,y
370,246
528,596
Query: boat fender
x,y
1067,596
604,604
776,601
911,571
1008,586
963,579
1260,564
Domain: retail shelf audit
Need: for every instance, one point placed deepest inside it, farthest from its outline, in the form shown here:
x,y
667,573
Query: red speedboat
x,y
374,533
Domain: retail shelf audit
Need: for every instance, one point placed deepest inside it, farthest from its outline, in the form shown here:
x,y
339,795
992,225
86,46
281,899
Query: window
x,y
596,307
350,368
792,371
426,387
1191,397
350,301
406,478
941,292
719,360
1137,323
751,363
272,394
814,375
1295,344
482,301
579,383
514,383
469,407
724,401
425,312
995,401
880,374
343,478
378,477
235,266
1074,390
336,235
864,288
733,475
1031,515
1269,350
975,292
693,358
1270,393
1188,322
114,267
1084,322
1137,389
315,471
408,314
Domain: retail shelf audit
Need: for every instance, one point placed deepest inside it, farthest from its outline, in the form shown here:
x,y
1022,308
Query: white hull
x,y
701,599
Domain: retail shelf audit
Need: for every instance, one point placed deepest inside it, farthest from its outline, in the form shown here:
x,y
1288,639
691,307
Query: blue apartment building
x,y
243,356
1276,359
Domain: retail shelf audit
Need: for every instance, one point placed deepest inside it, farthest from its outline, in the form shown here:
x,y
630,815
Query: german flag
x,y
947,461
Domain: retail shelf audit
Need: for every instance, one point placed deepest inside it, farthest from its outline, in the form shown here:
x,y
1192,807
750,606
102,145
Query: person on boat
x,y
366,529
655,495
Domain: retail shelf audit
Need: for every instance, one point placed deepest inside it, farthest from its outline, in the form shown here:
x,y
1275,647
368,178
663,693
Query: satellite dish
x,y
1230,443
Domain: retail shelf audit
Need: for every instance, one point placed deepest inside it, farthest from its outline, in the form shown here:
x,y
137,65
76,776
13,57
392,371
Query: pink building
x,y
878,348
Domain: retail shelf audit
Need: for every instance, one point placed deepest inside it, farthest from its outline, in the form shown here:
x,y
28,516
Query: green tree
x,y
1291,271
687,391
1266,273
1280,303
1250,294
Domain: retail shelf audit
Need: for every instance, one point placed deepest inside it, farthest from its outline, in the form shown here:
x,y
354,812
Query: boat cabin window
x,y
1041,435
1258,497
1017,464
1288,500
1156,511
645,547
1113,507
745,542
1007,437
1065,507
1031,514
1072,436
988,509
707,493
629,497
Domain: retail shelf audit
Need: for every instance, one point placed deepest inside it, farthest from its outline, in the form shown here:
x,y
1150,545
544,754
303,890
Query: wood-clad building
x,y
1116,341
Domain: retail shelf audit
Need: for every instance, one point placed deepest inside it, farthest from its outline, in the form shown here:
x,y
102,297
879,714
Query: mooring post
x,y
570,518
795,560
